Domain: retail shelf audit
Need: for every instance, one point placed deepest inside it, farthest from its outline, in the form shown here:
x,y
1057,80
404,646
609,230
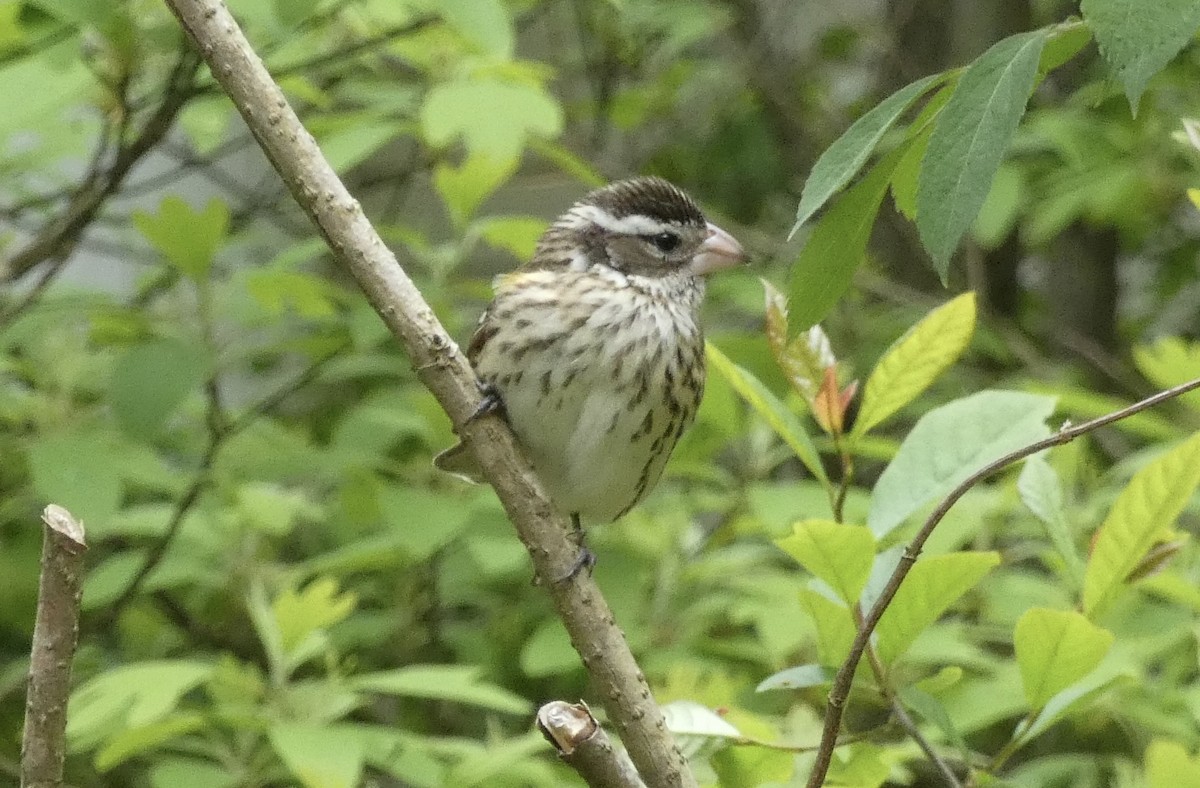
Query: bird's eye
x,y
665,242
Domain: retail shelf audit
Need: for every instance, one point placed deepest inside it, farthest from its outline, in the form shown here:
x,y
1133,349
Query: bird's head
x,y
644,226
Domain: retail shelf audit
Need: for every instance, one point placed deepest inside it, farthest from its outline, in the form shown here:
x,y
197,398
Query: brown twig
x,y
845,675
446,373
55,632
585,747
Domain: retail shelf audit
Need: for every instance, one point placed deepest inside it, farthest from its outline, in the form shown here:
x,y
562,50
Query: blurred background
x,y
273,561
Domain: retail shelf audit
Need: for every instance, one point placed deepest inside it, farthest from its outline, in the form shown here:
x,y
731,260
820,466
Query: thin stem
x,y
845,674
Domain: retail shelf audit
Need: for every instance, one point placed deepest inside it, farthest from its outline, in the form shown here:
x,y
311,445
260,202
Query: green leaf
x,y
969,140
949,444
458,683
301,614
797,677
130,697
1143,512
695,726
1169,362
835,626
1137,38
465,187
915,360
134,741
842,160
839,554
150,380
177,772
188,238
485,23
1041,492
837,247
320,756
775,413
516,234
1076,697
1055,649
908,170
75,470
1169,765
492,117
932,586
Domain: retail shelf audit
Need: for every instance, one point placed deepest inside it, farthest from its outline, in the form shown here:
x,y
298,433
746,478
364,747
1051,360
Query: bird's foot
x,y
491,403
585,559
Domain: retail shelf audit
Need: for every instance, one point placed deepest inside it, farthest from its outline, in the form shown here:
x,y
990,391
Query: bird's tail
x,y
460,462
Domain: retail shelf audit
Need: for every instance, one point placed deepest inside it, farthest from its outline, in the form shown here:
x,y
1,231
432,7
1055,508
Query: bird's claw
x,y
491,403
585,559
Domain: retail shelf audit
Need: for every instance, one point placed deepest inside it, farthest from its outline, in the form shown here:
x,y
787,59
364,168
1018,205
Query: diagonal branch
x,y
445,371
845,675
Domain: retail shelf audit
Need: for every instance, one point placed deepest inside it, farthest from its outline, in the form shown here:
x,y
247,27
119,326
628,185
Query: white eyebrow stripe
x,y
626,225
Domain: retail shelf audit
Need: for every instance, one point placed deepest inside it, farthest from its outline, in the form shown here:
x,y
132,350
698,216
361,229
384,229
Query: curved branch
x,y
445,372
845,675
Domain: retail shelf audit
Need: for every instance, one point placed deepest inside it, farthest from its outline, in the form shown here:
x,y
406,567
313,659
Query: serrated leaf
x,y
775,413
319,756
1137,39
839,554
969,140
457,683
1144,511
931,587
188,238
842,160
300,614
1041,492
915,360
837,247
1055,649
949,444
151,379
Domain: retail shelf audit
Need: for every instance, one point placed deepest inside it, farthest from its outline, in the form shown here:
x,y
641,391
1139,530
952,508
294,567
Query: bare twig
x,y
55,632
61,232
445,371
845,675
585,747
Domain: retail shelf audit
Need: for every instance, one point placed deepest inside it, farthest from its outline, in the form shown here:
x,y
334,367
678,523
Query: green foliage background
x,y
281,590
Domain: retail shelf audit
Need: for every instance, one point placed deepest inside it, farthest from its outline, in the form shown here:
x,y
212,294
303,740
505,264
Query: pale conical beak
x,y
719,251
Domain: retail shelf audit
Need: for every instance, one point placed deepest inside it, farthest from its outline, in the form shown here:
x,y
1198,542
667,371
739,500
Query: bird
x,y
593,350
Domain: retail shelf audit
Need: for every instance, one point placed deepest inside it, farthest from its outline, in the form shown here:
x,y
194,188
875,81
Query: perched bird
x,y
594,350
